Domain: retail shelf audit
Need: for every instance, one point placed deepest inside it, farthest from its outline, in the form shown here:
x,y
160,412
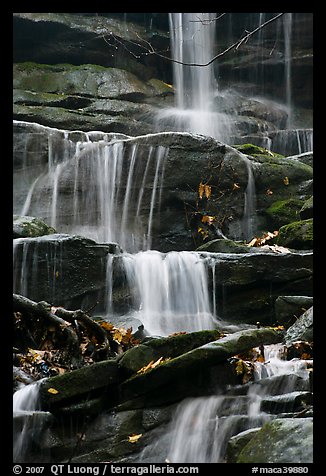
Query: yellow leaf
x,y
286,181
158,362
134,438
208,219
152,365
107,325
201,190
208,191
53,391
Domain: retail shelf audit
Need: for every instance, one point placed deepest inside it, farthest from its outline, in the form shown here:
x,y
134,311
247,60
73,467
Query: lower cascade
x,y
201,427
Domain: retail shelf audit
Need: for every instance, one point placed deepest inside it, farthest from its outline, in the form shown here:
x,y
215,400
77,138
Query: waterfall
x,y
202,426
192,42
29,420
287,26
170,291
249,213
99,187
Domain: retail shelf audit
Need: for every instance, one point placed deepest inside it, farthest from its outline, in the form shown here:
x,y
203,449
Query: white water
x,y
28,419
192,42
202,426
249,213
170,291
106,191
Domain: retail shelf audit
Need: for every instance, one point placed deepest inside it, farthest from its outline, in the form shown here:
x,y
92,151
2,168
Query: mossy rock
x,y
282,212
220,245
167,347
30,227
297,235
283,440
307,209
255,150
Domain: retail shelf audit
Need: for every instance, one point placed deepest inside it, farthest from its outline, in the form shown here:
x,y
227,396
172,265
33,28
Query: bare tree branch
x,y
149,49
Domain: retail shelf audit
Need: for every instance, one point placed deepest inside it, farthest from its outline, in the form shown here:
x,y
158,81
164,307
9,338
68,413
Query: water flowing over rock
x,y
163,187
136,191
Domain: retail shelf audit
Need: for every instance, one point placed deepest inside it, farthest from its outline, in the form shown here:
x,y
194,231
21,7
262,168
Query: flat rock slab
x,y
73,385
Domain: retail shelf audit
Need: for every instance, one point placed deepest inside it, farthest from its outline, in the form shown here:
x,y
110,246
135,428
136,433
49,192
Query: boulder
x,y
65,270
237,442
297,235
182,370
307,209
247,284
288,308
25,226
78,384
283,212
302,329
152,349
288,440
179,220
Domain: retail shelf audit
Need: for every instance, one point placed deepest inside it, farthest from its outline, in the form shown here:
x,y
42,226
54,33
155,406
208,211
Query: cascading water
x,y
192,42
170,291
28,419
109,199
202,426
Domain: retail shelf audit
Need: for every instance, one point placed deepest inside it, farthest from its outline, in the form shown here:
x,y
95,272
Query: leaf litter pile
x,y
51,340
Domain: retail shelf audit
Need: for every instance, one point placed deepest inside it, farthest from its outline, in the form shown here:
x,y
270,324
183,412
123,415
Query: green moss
x,y
297,235
256,151
282,212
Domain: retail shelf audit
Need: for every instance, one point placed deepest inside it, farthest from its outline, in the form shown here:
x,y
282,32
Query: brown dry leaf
x,y
152,365
236,186
208,191
253,242
201,190
269,192
208,219
286,181
107,326
134,438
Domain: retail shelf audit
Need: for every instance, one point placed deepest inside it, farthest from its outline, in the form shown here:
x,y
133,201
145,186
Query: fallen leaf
x,y
269,192
53,391
286,181
134,438
107,325
235,186
208,191
201,190
208,219
152,365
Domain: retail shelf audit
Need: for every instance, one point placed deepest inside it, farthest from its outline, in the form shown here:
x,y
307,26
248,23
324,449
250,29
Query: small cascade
x,y
207,423
249,212
26,258
29,420
99,187
169,291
